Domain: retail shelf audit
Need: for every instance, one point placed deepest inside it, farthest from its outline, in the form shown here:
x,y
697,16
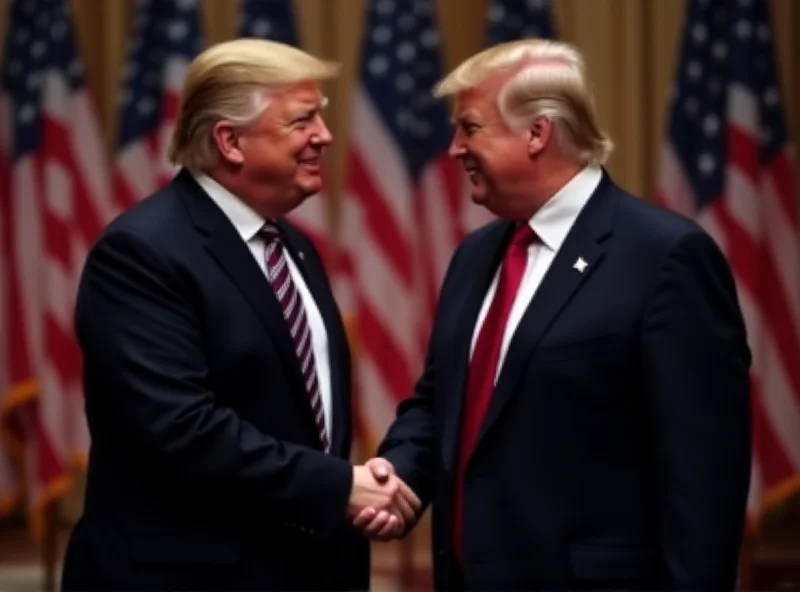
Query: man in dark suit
x,y
582,421
217,374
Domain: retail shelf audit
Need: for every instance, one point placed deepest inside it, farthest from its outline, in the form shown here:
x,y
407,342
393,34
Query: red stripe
x,y
385,229
19,355
124,196
57,146
768,451
744,153
58,239
169,107
378,345
783,178
753,266
61,349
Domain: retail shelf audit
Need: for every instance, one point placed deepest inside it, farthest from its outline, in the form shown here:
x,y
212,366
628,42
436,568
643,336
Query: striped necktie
x,y
295,314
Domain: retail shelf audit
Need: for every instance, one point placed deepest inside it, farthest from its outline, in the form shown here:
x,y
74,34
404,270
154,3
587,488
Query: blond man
x,y
583,418
216,366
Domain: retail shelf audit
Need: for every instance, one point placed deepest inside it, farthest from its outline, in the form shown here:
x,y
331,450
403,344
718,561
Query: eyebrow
x,y
307,109
463,119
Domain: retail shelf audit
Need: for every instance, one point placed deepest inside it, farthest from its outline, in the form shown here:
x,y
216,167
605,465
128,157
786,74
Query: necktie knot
x,y
523,236
269,232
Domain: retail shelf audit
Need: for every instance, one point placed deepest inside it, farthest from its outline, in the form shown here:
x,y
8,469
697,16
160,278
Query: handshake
x,y
381,505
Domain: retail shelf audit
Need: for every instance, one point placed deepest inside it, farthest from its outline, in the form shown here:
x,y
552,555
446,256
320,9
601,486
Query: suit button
x,y
440,553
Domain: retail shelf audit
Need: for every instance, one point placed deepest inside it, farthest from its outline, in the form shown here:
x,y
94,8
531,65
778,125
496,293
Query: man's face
x,y
282,151
494,157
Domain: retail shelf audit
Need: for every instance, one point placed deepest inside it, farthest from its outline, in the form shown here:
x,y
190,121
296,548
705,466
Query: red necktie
x,y
483,367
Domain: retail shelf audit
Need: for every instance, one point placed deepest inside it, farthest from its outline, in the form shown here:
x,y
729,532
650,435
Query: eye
x,y
304,120
469,127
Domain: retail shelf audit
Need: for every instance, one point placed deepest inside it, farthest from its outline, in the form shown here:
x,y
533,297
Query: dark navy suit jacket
x,y
206,471
615,453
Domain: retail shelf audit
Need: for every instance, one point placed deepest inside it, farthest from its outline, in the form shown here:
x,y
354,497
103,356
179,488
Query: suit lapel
x,y
313,274
484,263
232,254
585,241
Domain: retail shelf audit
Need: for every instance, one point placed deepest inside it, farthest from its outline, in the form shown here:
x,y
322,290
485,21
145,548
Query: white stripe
x,y
379,406
673,184
756,487
56,95
29,251
782,243
90,156
59,294
296,325
743,203
59,191
439,221
383,161
291,305
136,168
780,402
311,216
302,345
743,110
392,300
53,409
474,216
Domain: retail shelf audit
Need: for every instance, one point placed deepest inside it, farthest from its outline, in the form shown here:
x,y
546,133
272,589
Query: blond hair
x,y
231,81
547,78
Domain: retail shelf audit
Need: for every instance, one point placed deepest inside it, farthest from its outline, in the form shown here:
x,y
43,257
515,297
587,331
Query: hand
x,y
382,524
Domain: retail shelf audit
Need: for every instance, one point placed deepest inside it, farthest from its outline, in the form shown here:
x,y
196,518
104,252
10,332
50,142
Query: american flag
x,y
509,20
273,19
402,208
165,37
727,163
55,204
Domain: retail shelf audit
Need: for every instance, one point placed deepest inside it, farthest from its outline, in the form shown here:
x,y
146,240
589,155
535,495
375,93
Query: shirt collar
x,y
246,220
553,221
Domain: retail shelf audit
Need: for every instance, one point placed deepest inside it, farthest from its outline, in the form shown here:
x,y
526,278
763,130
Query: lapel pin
x,y
301,255
580,264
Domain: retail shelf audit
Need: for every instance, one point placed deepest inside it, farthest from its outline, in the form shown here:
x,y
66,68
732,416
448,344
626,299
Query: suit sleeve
x,y
136,326
696,368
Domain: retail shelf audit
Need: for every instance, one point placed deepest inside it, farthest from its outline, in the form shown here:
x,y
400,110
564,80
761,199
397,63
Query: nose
x,y
457,148
322,135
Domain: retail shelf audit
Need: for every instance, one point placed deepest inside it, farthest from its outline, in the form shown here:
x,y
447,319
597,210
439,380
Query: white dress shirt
x,y
247,223
551,223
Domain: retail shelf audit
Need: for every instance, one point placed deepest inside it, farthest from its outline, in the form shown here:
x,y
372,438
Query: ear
x,y
227,142
539,135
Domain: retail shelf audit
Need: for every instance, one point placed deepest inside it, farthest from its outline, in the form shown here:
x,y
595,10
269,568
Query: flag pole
x,y
50,547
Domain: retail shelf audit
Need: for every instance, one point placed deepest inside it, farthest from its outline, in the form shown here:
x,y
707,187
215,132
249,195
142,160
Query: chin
x,y
480,197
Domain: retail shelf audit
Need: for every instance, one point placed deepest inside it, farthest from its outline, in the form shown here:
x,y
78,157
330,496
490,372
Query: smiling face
x,y
496,158
279,156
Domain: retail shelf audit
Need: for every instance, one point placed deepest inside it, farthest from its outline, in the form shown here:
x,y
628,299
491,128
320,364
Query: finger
x,y
404,509
410,496
377,524
364,518
391,528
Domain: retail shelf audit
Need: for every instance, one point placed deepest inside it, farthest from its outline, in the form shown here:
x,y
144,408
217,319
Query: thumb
x,y
381,468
